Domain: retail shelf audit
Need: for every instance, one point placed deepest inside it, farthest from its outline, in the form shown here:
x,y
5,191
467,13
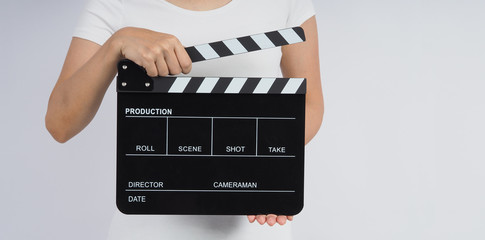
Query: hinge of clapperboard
x,y
130,73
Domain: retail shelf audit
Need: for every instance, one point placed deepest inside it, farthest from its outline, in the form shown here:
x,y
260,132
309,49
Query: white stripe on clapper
x,y
207,85
264,85
263,41
207,51
179,84
292,85
290,36
236,85
235,46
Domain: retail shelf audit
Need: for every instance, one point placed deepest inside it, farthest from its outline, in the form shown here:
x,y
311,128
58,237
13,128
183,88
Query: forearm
x,y
302,60
78,93
313,119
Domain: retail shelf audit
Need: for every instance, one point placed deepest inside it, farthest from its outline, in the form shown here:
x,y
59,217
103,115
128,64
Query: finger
x,y
172,62
251,218
290,218
281,220
147,59
184,60
162,68
261,219
271,219
151,68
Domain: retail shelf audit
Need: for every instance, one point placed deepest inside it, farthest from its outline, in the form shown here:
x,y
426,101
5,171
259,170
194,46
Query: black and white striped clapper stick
x,y
246,44
228,85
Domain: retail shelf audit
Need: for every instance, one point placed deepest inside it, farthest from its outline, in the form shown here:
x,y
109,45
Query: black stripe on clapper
x,y
221,85
300,32
302,88
221,49
193,84
250,85
249,44
163,84
278,85
276,38
194,54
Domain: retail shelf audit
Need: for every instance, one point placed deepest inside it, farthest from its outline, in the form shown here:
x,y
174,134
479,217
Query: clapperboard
x,y
209,145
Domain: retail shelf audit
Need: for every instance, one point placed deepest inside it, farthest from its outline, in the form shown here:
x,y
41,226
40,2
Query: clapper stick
x,y
220,49
246,44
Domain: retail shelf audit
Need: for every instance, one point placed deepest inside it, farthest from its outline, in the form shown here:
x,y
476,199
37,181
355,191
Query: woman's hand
x,y
159,53
90,68
271,219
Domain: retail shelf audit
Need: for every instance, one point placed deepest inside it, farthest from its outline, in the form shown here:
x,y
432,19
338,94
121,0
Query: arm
x,y
301,60
89,69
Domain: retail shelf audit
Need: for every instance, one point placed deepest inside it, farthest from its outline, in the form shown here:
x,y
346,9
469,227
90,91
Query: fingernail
x,y
271,221
281,220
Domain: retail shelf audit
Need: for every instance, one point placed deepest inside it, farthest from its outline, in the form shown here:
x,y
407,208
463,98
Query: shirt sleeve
x,y
300,11
99,20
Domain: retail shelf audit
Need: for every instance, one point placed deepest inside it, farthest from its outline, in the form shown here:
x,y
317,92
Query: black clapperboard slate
x,y
210,145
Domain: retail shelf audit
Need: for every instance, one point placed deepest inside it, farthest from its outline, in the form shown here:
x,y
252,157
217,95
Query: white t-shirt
x,y
238,18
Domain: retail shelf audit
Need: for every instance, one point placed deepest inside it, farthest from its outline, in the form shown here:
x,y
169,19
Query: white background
x,y
400,154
